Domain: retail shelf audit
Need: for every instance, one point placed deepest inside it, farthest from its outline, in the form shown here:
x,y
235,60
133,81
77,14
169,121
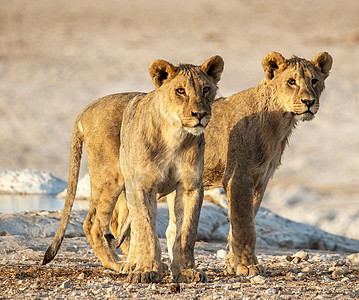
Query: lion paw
x,y
190,275
250,270
144,277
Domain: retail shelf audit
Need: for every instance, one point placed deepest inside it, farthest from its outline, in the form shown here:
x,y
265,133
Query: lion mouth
x,y
195,123
304,116
303,113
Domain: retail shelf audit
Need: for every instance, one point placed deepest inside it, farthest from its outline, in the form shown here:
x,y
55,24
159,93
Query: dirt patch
x,y
76,273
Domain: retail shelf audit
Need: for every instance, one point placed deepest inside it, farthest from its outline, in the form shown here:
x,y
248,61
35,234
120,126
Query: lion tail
x,y
75,160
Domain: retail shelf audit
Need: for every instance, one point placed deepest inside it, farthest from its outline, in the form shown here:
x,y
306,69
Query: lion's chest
x,y
156,165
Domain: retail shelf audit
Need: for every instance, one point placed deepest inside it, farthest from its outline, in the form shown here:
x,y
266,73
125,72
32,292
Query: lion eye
x,y
291,81
206,90
181,91
314,81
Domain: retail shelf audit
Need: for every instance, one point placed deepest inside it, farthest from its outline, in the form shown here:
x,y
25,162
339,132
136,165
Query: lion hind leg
x,y
242,235
96,225
124,233
120,226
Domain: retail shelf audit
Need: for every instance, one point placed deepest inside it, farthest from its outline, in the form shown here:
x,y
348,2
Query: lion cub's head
x,y
298,82
187,91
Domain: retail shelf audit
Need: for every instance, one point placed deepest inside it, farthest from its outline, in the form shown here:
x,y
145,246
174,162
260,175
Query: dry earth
x,y
77,274
57,57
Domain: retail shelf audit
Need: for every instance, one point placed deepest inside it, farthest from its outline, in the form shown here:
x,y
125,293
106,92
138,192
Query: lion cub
x,y
161,149
258,122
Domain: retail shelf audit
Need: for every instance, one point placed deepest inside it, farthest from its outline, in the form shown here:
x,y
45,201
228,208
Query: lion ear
x,y
272,63
161,70
324,62
213,67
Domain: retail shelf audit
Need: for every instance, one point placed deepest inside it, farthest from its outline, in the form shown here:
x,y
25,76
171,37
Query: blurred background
x,y
58,56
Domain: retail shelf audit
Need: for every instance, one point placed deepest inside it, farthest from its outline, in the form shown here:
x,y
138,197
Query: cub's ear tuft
x,y
324,62
213,67
272,63
160,71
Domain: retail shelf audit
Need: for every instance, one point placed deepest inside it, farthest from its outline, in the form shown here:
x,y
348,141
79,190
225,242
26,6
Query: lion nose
x,y
198,115
308,102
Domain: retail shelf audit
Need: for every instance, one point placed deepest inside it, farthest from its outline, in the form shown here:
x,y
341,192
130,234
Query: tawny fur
x,y
245,140
161,149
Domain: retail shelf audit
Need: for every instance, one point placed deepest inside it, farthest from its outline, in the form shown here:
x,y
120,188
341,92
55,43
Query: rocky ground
x,y
57,57
77,274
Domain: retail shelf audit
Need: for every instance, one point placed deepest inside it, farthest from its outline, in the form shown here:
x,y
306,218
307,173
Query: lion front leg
x,y
242,235
144,257
171,228
186,208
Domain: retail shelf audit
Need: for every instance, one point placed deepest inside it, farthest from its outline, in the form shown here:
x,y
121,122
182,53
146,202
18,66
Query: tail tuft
x,y
49,254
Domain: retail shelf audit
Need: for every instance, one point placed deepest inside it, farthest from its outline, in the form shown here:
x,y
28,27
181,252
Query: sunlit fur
x,y
158,155
246,138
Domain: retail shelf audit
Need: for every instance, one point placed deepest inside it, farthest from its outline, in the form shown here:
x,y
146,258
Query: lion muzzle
x,y
196,120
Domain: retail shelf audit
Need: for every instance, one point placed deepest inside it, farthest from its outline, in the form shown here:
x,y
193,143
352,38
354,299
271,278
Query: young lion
x,y
258,122
162,150
245,140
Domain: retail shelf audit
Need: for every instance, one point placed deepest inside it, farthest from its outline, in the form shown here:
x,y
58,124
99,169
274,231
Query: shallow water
x,y
16,203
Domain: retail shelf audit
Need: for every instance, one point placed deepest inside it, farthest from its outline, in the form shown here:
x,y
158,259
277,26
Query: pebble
x,y
301,276
222,254
335,274
175,288
291,276
301,255
271,291
339,263
153,287
339,270
296,260
257,279
354,258
66,284
345,279
327,279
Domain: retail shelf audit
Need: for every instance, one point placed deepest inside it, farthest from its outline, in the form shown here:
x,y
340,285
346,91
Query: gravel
x,y
77,274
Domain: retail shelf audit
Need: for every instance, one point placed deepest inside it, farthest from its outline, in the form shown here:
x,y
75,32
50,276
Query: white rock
x,y
83,189
257,279
302,255
354,258
222,254
30,182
